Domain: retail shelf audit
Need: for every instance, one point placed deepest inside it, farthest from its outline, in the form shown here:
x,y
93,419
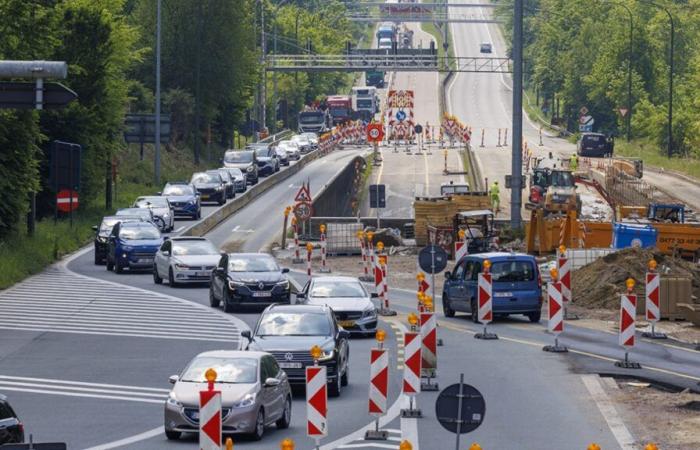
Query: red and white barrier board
x,y
556,308
461,249
428,331
564,268
412,365
210,420
485,298
653,310
378,381
628,309
316,402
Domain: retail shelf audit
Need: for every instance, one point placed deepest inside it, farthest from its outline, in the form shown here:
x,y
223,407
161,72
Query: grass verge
x,y
24,255
652,156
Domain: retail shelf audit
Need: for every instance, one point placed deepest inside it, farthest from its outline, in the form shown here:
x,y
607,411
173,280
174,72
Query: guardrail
x,y
275,138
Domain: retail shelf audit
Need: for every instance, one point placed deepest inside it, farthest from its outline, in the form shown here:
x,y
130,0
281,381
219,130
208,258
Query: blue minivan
x,y
517,285
133,245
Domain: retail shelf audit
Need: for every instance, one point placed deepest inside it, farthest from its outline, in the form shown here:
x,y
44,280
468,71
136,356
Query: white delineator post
x,y
626,337
210,415
485,301
651,304
316,399
324,267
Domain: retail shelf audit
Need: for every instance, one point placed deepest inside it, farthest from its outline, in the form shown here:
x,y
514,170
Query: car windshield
x,y
454,189
262,152
108,223
301,139
139,232
178,190
311,118
238,157
562,179
224,174
310,136
347,289
152,202
253,263
228,370
193,247
205,178
340,111
512,271
140,212
294,324
236,173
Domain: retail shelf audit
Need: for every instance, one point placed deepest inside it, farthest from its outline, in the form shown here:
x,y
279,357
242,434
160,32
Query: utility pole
x,y
274,83
517,158
197,89
157,124
263,88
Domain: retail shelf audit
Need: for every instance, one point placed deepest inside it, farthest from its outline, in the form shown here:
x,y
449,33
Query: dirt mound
x,y
599,284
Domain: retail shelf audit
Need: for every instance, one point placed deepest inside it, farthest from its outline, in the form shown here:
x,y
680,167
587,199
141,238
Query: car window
x,y
193,247
151,202
178,190
223,262
475,270
252,263
228,370
459,271
238,157
325,289
269,368
205,178
513,271
294,324
165,247
274,367
140,232
5,412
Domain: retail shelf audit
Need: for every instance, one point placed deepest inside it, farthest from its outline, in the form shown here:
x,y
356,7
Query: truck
x,y
340,108
552,188
374,78
314,121
386,30
365,102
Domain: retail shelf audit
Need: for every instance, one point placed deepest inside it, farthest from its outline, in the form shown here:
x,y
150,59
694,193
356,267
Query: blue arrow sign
x,y
401,116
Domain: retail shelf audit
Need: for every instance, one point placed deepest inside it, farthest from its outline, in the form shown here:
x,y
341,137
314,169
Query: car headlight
x,y
219,188
181,266
247,400
101,239
249,169
234,284
284,284
327,355
368,313
173,401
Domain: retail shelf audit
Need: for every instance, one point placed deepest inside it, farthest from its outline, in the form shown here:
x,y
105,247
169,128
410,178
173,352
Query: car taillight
x,y
539,279
21,427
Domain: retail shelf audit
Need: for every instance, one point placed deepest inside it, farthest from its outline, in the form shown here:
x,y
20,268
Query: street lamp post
x,y
517,159
157,123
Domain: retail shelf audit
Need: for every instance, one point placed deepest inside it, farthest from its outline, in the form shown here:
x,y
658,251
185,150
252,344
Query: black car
x,y
244,160
268,162
228,181
102,233
11,428
289,331
595,145
248,279
210,187
238,177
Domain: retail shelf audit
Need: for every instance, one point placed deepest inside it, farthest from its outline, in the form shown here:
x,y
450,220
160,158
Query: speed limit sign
x,y
375,132
303,211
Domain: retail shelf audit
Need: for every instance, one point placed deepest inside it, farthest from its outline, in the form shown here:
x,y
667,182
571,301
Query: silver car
x,y
185,259
255,393
349,300
160,206
292,149
313,138
303,142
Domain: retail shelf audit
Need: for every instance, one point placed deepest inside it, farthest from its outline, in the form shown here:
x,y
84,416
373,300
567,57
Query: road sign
x,y
583,110
401,115
432,259
375,132
303,211
22,95
418,129
303,194
64,171
63,200
460,420
623,111
141,128
35,446
377,196
586,123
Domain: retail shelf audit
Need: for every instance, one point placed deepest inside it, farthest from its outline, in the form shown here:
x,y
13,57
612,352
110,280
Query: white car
x,y
385,43
349,300
160,207
185,259
313,138
303,142
292,149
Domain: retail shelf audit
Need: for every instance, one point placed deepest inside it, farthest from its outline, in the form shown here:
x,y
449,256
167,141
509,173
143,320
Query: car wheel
x,y
475,312
334,388
118,268
534,316
98,260
110,265
345,379
213,301
259,426
284,421
449,312
228,305
171,278
222,199
255,180
156,278
172,435
199,214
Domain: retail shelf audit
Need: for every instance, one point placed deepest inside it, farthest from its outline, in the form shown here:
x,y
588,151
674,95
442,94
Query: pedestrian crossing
x,y
58,301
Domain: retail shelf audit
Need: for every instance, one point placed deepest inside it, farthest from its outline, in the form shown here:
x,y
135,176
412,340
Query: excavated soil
x,y
599,284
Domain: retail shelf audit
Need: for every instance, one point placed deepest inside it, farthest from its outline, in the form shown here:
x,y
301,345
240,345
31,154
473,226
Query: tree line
x,y
211,73
580,54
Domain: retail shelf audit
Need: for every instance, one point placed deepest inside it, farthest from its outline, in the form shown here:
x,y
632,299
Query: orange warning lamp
x,y
630,284
413,319
652,264
294,220
380,246
420,276
487,265
322,228
229,444
316,352
287,210
382,260
309,247
210,375
651,446
554,273
421,296
287,444
370,235
428,302
475,446
593,446
562,249
380,336
461,234
360,234
405,445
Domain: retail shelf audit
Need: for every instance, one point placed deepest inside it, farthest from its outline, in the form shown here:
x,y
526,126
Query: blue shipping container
x,y
633,235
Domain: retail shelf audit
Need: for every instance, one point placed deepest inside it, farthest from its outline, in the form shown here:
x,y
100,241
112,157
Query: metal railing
x,y
385,63
434,17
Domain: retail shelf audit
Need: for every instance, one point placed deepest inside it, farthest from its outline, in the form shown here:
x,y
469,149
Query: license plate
x,y
347,323
290,365
146,260
503,294
201,274
262,294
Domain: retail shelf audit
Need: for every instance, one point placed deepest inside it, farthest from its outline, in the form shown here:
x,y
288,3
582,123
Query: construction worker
x,y
494,193
573,162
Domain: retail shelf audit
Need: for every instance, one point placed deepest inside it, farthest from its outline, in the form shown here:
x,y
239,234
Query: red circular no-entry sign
x,y
63,200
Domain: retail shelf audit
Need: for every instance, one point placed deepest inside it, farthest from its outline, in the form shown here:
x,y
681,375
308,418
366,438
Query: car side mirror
x,y
343,334
159,193
285,270
246,334
95,228
166,253
272,382
374,295
173,379
448,274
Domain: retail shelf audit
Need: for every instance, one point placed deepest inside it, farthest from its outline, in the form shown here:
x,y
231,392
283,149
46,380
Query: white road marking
x,y
409,428
607,409
368,444
130,440
83,395
235,228
179,229
82,383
